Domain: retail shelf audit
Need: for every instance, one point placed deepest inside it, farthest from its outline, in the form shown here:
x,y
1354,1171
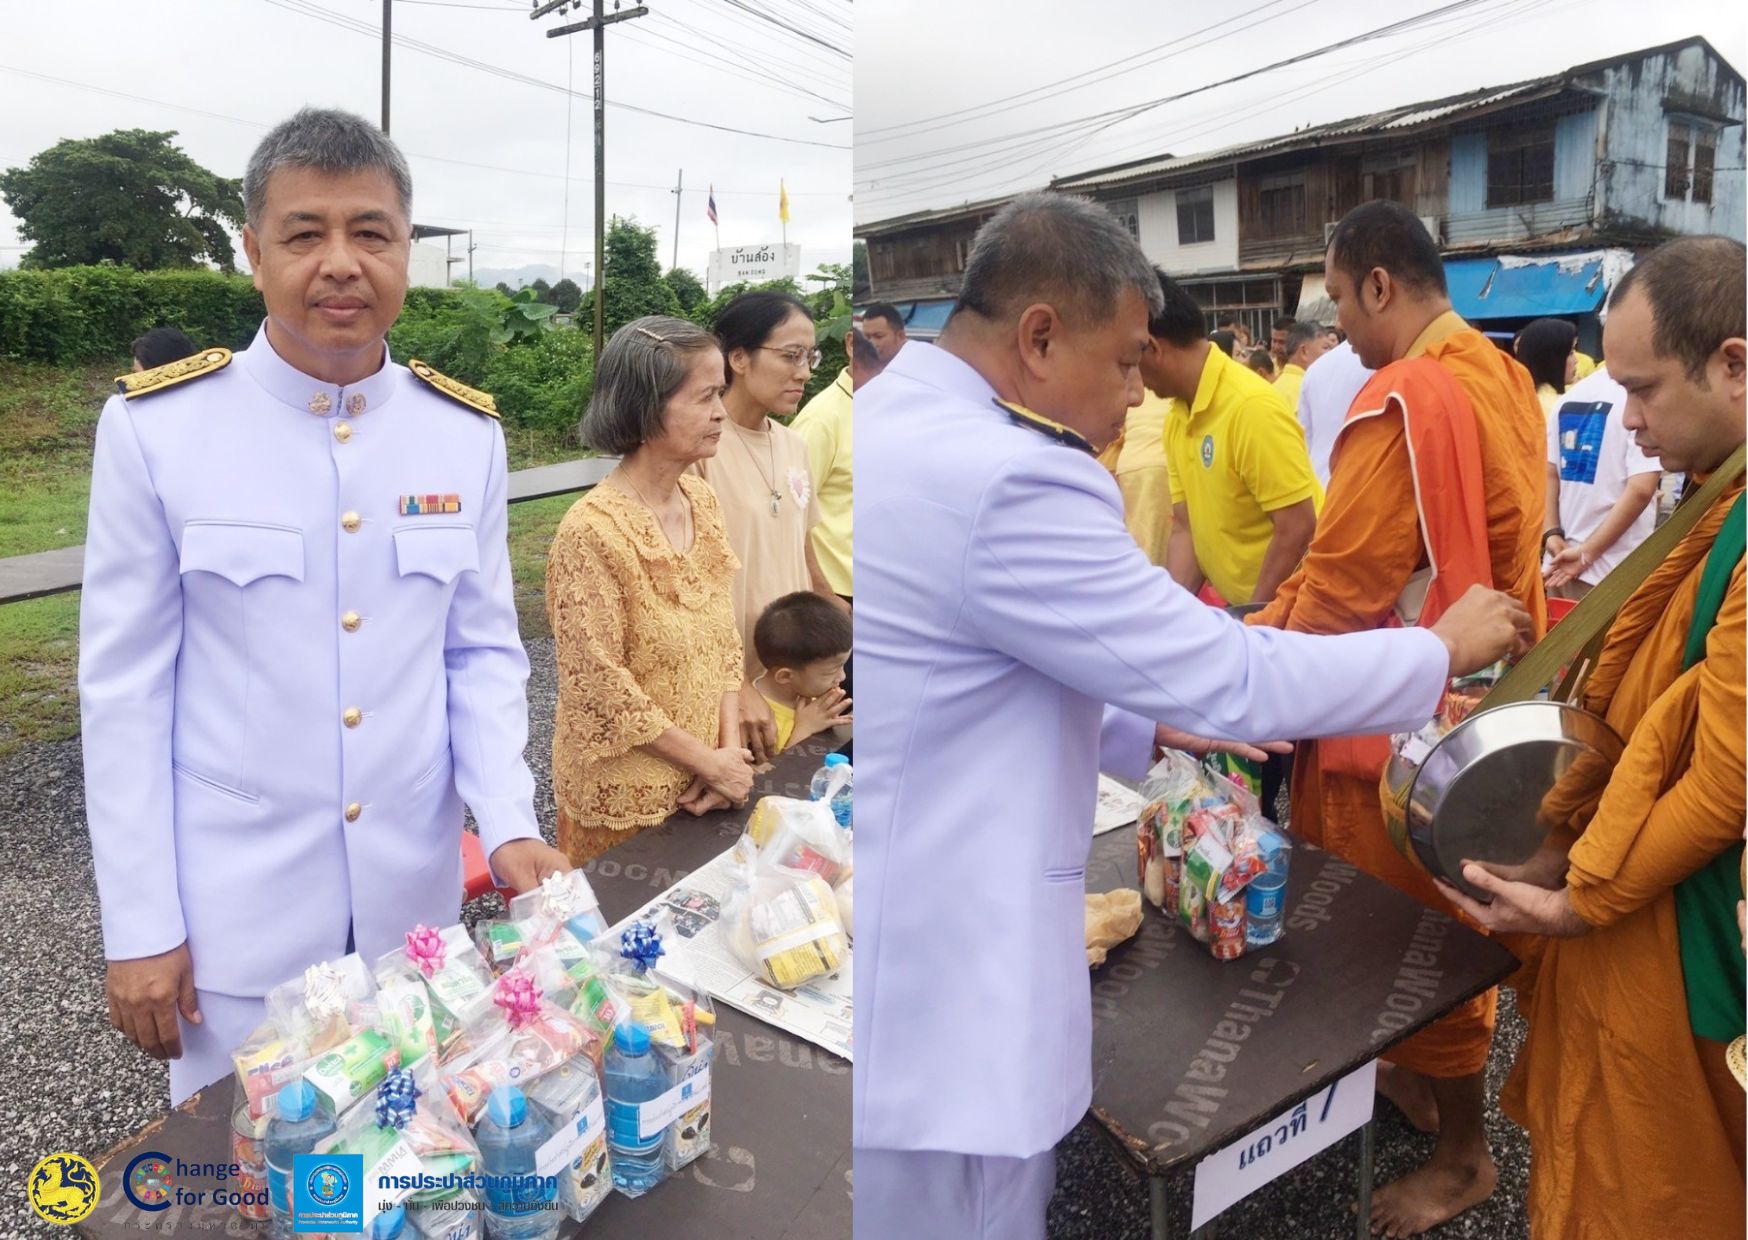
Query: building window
x,y
1128,214
1195,215
1280,206
1520,164
1692,156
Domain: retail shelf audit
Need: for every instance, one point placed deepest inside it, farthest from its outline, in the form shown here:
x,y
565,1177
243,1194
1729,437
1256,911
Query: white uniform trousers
x,y
931,1195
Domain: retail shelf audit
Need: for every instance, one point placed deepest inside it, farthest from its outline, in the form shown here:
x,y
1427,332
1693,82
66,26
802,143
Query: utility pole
x,y
470,256
678,186
598,24
387,38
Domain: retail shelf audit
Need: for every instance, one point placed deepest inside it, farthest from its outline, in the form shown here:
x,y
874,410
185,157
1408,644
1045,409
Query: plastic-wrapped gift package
x,y
572,979
1176,787
325,1007
783,922
577,1153
455,976
500,942
265,1061
1234,881
563,900
800,835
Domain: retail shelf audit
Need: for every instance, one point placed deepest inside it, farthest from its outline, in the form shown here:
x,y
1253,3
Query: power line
x,y
797,54
769,82
795,30
305,9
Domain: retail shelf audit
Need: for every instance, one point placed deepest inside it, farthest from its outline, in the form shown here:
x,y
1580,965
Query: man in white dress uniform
x,y
298,644
1013,640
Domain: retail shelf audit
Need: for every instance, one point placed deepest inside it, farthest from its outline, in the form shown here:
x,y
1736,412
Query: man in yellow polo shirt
x,y
825,424
1306,342
1244,496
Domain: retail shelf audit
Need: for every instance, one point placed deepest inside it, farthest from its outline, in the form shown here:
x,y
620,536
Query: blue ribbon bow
x,y
641,945
396,1099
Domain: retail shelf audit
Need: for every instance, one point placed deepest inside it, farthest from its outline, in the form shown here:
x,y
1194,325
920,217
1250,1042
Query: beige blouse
x,y
646,641
761,478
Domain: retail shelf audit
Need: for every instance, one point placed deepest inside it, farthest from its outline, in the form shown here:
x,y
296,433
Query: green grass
x,y
48,419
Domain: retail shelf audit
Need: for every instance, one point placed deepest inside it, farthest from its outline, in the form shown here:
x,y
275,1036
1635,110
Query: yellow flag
x,y
782,202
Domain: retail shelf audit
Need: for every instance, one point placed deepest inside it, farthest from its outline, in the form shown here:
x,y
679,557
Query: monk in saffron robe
x,y
1635,1121
1436,485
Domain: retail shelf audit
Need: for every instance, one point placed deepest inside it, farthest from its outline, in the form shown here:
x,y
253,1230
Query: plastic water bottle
x,y
510,1134
389,1225
633,1077
833,782
297,1126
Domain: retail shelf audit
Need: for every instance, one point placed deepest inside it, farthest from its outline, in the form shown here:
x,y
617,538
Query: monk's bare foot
x,y
1412,1095
1439,1191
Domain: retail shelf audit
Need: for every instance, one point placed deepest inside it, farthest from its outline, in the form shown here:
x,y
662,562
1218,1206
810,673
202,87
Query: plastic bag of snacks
x,y
266,1060
455,976
1235,865
500,942
783,922
570,977
563,900
802,835
405,1128
327,1005
1176,787
571,1096
679,1020
522,1037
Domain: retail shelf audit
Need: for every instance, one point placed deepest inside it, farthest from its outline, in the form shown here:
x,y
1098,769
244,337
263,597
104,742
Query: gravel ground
x,y
70,1082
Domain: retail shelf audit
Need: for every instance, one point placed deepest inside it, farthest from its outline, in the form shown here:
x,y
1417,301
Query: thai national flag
x,y
711,210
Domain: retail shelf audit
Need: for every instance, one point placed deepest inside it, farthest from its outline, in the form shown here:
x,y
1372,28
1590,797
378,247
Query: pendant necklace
x,y
770,480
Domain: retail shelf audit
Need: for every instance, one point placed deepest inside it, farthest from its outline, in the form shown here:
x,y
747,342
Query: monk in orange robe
x,y
1635,1121
1436,485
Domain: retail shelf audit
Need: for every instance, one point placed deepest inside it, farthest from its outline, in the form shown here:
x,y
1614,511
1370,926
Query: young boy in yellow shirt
x,y
803,642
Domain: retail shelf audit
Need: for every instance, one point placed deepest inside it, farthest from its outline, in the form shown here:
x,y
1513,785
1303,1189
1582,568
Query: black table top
x,y
1190,1052
780,1114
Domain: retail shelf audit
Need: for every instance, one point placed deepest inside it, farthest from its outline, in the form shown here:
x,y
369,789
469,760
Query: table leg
x,y
1363,1214
1157,1204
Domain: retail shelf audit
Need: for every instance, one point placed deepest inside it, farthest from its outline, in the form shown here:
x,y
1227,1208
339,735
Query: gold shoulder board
x,y
473,398
145,382
1019,415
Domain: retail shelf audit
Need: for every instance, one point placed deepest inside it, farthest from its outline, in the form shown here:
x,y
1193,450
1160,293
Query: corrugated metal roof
x,y
1396,119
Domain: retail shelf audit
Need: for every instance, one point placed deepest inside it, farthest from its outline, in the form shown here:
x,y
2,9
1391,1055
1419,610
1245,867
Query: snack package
x,y
1111,917
265,1061
577,1152
563,900
433,1130
675,1015
400,1117
1232,890
1240,772
784,922
404,1017
1174,789
500,942
324,1007
688,1137
800,835
454,974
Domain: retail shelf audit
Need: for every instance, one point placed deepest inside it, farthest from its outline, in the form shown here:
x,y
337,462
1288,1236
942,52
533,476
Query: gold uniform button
x,y
350,522
350,621
353,717
353,810
342,431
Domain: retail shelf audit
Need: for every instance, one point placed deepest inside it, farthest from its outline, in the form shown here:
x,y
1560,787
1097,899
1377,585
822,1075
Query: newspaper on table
x,y
1118,806
698,954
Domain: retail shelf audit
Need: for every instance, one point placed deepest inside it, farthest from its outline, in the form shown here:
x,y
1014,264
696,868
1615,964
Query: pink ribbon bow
x,y
425,948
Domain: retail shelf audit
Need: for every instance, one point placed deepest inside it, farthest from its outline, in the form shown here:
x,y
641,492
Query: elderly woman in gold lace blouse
x,y
638,584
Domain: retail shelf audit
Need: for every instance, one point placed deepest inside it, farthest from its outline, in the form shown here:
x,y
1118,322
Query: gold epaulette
x,y
473,398
1021,416
145,382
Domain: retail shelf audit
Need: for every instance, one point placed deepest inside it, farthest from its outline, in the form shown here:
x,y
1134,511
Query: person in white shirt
x,y
1600,487
1331,382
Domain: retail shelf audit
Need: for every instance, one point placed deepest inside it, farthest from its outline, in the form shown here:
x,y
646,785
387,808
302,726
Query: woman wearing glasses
x,y
761,478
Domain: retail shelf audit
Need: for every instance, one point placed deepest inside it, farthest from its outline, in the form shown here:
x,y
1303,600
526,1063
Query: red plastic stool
x,y
476,875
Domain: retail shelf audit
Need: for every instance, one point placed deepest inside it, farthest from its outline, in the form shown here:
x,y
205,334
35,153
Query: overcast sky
x,y
936,125
486,152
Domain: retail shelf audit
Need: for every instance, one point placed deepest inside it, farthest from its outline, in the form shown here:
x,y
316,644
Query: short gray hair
x,y
327,140
1302,332
641,368
1070,253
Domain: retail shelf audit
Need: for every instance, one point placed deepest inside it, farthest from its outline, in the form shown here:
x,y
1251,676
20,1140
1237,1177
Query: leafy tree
x,y
130,197
859,285
566,295
504,289
542,291
633,284
687,287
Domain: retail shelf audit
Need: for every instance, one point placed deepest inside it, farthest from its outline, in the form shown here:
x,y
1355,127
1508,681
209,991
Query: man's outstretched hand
x,y
522,864
1167,737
